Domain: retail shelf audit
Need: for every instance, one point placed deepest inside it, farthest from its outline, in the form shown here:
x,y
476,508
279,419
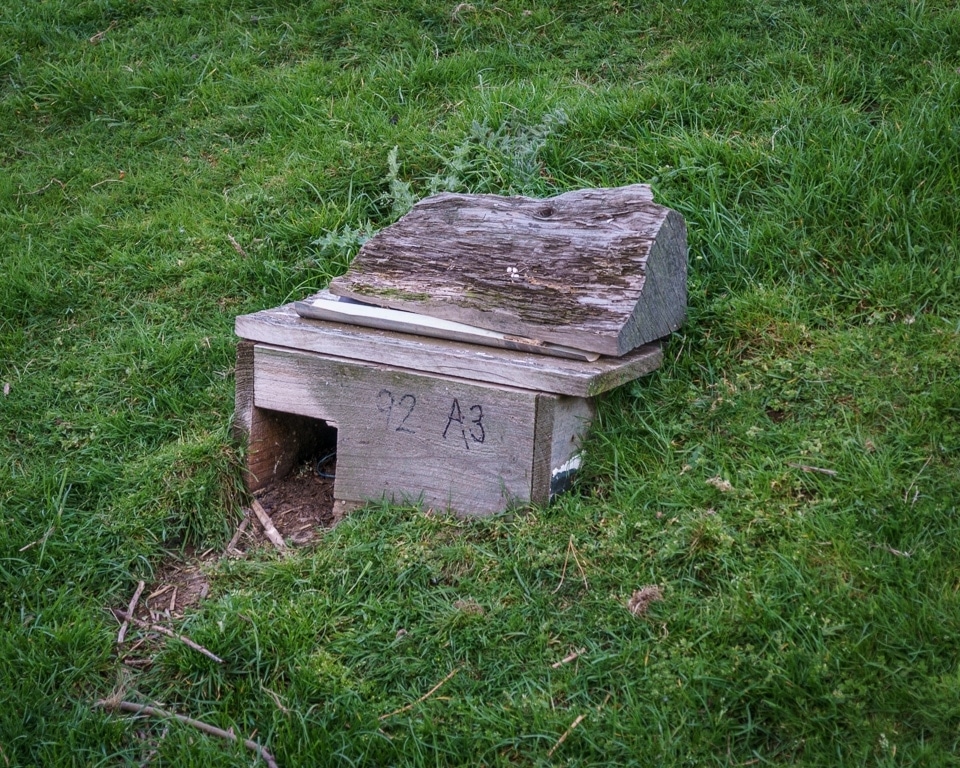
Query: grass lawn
x,y
790,479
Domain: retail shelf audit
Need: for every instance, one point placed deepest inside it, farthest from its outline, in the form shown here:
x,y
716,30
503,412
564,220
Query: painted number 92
x,y
405,405
467,420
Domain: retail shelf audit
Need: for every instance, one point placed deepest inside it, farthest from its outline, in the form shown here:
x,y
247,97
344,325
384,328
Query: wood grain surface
x,y
602,270
408,437
282,326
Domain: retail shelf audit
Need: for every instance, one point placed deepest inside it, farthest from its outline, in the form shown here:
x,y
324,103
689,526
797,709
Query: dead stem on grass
x,y
169,633
566,733
212,730
906,493
232,546
808,468
98,37
131,610
423,698
237,247
572,550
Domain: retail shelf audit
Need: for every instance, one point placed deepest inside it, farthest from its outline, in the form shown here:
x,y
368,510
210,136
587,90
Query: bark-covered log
x,y
602,270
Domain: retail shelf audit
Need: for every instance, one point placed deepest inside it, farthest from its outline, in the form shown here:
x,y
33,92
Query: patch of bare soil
x,y
300,506
179,585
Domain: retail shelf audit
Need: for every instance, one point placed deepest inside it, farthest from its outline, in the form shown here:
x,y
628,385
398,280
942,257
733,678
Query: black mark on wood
x,y
478,422
456,415
385,403
412,403
470,429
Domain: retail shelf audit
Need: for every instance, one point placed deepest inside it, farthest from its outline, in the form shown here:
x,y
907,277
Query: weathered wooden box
x,y
455,423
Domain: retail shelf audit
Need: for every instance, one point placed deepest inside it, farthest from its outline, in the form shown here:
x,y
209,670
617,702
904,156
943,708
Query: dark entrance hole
x,y
299,499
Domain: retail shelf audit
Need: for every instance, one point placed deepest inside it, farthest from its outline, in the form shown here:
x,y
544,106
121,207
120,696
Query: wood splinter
x,y
268,527
572,656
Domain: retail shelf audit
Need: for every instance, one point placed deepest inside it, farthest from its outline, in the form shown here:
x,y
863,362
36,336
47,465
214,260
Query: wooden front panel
x,y
406,436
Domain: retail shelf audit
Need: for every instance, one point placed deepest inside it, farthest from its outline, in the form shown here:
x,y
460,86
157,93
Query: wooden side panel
x,y
273,441
409,437
662,307
243,398
543,436
572,419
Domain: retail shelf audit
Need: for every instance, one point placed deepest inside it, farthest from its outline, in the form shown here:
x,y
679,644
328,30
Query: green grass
x,y
808,618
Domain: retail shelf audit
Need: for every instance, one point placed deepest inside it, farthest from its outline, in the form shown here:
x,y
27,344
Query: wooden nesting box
x,y
555,302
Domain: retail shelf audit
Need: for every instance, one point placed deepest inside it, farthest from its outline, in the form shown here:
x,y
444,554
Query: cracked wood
x,y
602,270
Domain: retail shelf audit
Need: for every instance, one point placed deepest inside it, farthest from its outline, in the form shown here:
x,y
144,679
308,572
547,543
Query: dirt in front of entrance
x,y
300,507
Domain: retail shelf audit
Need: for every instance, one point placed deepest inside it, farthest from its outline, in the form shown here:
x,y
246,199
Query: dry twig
x,y
41,540
97,38
892,551
574,724
268,528
128,662
572,656
898,552
136,645
120,177
239,532
47,186
583,574
131,609
158,592
236,246
169,633
425,696
906,493
212,730
808,468
276,699
563,572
